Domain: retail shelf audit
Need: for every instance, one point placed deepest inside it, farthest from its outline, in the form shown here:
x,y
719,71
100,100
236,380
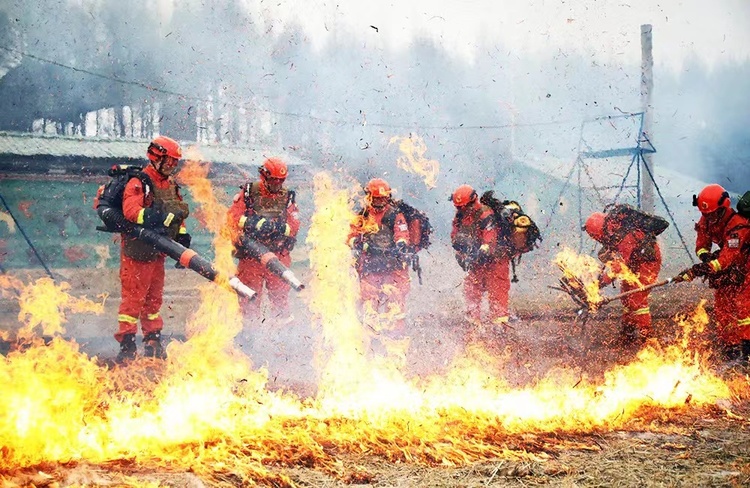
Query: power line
x,y
100,75
243,103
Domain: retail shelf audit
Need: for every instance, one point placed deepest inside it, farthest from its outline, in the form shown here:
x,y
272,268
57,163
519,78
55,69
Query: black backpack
x,y
511,220
108,201
630,218
420,228
743,205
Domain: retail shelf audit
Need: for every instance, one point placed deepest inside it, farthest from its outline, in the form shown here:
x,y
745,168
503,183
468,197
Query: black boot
x,y
127,349
152,347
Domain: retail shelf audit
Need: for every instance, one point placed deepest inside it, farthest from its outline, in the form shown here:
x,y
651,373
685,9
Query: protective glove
x,y
289,243
184,240
701,269
695,271
251,222
708,256
155,217
271,227
266,227
684,276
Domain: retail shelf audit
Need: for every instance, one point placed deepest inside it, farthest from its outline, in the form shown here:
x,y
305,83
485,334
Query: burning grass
x,y
209,411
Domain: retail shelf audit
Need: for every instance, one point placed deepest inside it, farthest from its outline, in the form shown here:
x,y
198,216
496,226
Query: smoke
x,y
234,73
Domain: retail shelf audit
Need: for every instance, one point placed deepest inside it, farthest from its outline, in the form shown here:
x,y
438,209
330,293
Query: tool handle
x,y
637,290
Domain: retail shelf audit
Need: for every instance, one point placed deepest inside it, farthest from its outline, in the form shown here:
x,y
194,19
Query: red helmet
x,y
711,199
378,187
463,196
594,226
163,146
274,168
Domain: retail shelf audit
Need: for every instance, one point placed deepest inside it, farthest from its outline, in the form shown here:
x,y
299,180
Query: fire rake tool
x,y
574,288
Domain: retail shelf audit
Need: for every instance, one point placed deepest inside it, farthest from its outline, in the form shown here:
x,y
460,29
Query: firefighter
x,y
726,268
154,202
475,239
266,211
627,247
379,237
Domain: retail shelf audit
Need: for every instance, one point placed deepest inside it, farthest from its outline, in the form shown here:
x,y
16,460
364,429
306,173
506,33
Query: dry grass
x,y
703,449
708,447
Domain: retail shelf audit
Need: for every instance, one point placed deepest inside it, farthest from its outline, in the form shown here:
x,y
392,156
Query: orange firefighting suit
x,y
380,237
474,237
253,211
641,254
142,266
728,273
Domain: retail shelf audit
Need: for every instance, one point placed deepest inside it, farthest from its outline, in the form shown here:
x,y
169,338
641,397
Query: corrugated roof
x,y
29,144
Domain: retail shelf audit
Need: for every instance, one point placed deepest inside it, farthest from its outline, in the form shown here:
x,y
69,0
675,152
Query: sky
x,y
535,65
609,29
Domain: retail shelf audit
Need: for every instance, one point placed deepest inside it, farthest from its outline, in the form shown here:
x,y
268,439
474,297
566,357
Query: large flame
x,y
413,149
209,411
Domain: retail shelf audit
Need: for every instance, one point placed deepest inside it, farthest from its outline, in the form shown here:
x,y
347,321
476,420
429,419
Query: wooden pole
x,y
647,87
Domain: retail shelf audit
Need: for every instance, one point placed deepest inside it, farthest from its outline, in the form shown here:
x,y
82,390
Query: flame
x,y
343,367
378,320
412,159
365,224
194,175
44,302
617,269
580,272
209,411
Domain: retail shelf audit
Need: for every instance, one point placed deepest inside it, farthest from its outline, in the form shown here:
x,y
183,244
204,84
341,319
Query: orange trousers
x,y
732,309
252,273
636,312
494,279
142,292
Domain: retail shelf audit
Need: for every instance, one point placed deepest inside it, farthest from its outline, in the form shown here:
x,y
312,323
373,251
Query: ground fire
x,y
208,410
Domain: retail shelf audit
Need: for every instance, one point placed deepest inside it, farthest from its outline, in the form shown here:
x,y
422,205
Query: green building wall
x,y
60,222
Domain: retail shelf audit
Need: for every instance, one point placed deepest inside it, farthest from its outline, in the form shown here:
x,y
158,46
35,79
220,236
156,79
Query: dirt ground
x,y
708,447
